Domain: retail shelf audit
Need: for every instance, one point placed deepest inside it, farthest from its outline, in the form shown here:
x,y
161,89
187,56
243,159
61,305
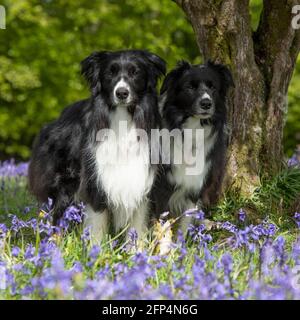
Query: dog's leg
x,y
186,221
178,204
61,203
140,219
98,224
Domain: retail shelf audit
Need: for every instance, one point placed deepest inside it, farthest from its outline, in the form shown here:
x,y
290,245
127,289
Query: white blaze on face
x,y
121,84
206,96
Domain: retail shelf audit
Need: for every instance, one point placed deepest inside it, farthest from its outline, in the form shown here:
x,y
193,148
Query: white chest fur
x,y
179,175
123,165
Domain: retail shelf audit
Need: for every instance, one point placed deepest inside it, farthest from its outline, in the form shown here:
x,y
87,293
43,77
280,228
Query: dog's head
x,y
122,77
197,90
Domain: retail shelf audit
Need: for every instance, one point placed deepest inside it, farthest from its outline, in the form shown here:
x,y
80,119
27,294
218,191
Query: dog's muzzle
x,y
204,106
122,94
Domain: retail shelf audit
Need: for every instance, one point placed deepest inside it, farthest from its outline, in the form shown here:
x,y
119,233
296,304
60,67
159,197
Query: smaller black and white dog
x,y
194,97
113,176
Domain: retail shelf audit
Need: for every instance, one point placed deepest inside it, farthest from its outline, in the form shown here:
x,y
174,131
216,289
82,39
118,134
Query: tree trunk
x,y
262,64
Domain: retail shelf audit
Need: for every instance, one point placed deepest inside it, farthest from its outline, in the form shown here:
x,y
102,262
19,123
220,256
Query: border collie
x,y
194,97
71,162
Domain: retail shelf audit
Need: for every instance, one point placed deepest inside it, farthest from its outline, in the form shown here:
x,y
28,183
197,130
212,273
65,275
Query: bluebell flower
x,y
86,235
17,224
132,240
77,267
26,210
198,235
27,290
29,252
194,213
242,215
93,255
227,263
297,219
73,214
229,227
15,251
3,230
293,161
10,169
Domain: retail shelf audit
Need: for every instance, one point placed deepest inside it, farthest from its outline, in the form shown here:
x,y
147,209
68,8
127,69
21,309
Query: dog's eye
x,y
114,69
192,86
132,71
210,85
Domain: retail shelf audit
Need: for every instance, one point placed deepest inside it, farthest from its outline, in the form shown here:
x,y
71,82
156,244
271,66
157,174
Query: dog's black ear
x,y
157,63
90,69
225,73
175,74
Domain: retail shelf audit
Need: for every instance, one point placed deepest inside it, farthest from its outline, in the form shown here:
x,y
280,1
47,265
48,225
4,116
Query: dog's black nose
x,y
122,93
205,104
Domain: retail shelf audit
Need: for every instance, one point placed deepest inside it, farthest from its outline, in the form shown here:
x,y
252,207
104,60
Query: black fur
x,y
181,95
61,165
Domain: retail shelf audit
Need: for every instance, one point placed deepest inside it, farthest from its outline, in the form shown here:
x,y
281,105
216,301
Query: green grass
x,y
273,200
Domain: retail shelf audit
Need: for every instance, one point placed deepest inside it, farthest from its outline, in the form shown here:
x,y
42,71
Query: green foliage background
x,y
44,42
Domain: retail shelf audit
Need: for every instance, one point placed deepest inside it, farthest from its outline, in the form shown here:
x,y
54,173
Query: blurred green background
x,y
44,42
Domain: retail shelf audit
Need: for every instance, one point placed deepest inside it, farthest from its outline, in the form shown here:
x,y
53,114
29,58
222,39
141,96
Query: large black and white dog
x,y
194,97
71,162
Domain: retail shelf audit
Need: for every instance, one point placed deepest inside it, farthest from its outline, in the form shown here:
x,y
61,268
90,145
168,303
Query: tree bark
x,y
262,64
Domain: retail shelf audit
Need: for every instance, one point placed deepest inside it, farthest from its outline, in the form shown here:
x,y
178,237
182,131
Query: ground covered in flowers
x,y
239,258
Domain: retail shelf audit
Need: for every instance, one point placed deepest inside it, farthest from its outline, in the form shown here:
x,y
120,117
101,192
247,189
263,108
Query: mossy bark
x,y
262,64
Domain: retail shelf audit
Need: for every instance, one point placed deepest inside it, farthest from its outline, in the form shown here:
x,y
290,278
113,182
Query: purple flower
x,y
297,219
77,267
15,251
86,235
29,252
46,228
229,227
197,234
271,229
3,230
133,236
279,247
242,215
132,240
11,169
17,224
73,214
26,210
293,161
296,252
27,290
93,255
195,213
264,229
227,263
199,215
189,212
32,223
46,249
